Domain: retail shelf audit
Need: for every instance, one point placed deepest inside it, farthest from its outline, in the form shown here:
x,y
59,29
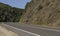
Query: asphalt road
x,y
42,31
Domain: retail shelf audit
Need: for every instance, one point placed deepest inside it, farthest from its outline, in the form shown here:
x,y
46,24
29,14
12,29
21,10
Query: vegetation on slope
x,y
10,14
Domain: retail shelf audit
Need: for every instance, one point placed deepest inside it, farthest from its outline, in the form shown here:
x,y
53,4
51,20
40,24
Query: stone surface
x,y
43,12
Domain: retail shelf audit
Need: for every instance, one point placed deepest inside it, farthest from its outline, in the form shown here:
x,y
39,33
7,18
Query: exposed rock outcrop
x,y
43,12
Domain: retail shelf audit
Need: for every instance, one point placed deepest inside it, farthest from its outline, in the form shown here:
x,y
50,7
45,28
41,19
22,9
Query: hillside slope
x,y
9,14
42,12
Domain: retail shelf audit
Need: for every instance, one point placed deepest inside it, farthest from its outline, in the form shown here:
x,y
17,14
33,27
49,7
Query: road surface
x,y
42,31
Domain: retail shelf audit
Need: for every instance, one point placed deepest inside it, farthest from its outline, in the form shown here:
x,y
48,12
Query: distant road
x,y
42,31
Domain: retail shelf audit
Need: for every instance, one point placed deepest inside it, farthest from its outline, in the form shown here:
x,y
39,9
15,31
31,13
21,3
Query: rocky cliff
x,y
42,12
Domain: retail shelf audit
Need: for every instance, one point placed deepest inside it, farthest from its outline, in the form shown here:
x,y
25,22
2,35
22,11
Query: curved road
x,y
42,31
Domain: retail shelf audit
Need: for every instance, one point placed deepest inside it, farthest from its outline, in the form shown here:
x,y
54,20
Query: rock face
x,y
43,12
5,32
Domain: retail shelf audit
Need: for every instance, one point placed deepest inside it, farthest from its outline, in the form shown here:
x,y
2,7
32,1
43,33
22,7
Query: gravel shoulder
x,y
5,32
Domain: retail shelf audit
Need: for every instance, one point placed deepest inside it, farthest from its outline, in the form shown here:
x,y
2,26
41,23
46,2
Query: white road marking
x,y
22,30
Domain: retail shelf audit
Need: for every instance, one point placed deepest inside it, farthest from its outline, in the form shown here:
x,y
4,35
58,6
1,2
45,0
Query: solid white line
x,y
22,30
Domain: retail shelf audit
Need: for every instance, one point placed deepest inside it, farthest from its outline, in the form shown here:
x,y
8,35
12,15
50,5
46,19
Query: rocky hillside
x,y
42,12
9,14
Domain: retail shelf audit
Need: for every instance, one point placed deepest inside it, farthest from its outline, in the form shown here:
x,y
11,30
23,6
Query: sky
x,y
16,3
